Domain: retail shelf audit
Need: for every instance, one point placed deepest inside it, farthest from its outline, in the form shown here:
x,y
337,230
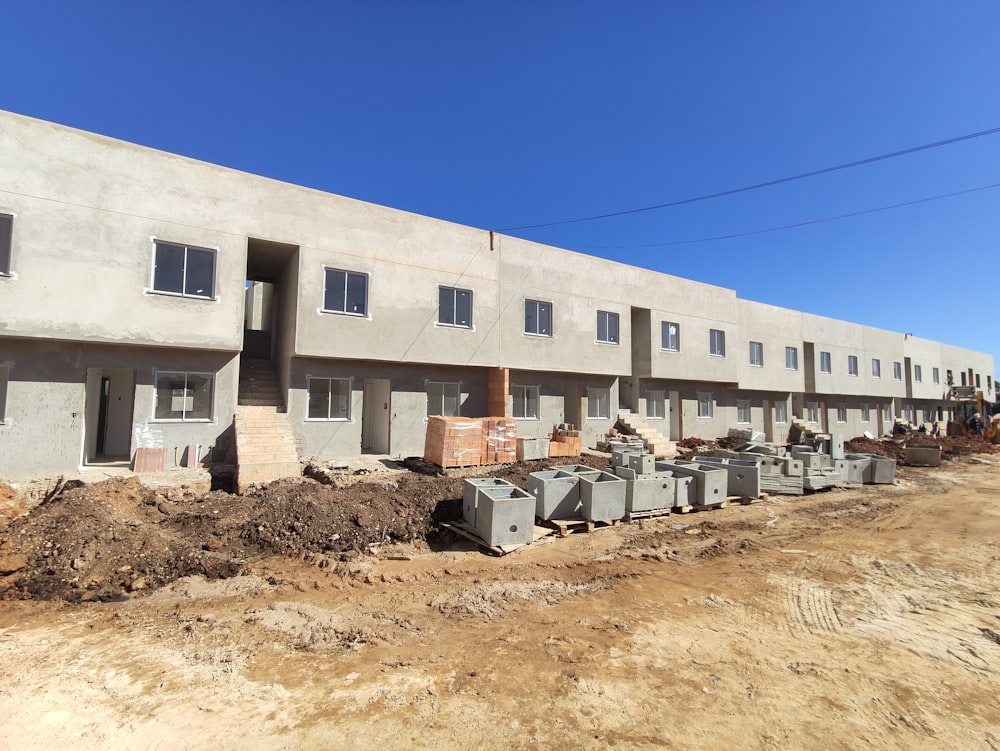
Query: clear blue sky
x,y
499,115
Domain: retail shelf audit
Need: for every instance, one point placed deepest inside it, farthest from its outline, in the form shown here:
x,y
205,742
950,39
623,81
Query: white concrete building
x,y
136,286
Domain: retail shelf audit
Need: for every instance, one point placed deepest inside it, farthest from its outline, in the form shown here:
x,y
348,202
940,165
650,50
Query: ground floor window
x,y
183,396
887,413
841,412
865,413
706,406
443,399
655,405
599,404
4,378
743,411
928,414
329,399
781,412
812,412
525,402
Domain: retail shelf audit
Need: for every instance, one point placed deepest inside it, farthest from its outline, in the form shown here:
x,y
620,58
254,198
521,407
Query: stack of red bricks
x,y
499,440
565,442
454,441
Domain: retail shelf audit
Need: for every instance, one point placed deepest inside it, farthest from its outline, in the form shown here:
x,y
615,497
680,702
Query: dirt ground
x,y
862,618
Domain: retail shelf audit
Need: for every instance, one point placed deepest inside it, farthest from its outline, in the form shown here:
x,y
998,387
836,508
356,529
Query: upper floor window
x,y
936,375
444,399
525,400
717,342
455,307
792,358
757,354
329,398
345,292
897,371
876,368
607,327
6,241
824,363
184,270
918,375
670,336
852,365
538,318
977,380
183,396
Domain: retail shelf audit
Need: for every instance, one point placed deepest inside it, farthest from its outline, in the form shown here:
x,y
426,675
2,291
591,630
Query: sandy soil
x,y
850,619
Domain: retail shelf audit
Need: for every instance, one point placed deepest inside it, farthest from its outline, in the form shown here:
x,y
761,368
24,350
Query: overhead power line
x,y
768,184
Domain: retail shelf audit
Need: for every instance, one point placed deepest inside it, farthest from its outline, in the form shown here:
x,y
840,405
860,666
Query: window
x,y
743,411
525,402
717,342
876,368
936,375
670,336
887,413
607,327
329,399
962,373
824,363
791,358
706,407
757,354
781,412
655,405
977,381
866,415
455,307
928,414
852,365
443,399
950,378
183,396
4,378
812,412
989,386
6,241
345,292
599,404
897,371
918,374
537,318
183,270
841,412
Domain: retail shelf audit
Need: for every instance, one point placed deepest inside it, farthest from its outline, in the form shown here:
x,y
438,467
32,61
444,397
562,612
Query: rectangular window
x,y
928,414
717,342
918,374
887,414
183,270
706,407
455,307
866,415
841,412
757,354
329,398
599,404
825,363
525,402
812,412
443,399
537,318
183,396
936,375
345,292
670,336
897,371
607,327
6,242
977,381
781,412
989,387
962,373
791,358
4,379
655,405
743,411
852,365
876,368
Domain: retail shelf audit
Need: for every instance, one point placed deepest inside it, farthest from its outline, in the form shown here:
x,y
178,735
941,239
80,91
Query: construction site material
x,y
821,478
710,481
531,449
470,494
852,470
922,456
540,536
648,492
642,463
505,515
652,440
743,476
470,441
564,440
565,527
602,496
556,494
747,435
499,440
149,460
620,454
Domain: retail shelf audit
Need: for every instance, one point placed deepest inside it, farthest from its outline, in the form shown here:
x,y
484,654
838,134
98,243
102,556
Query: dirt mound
x,y
888,448
951,446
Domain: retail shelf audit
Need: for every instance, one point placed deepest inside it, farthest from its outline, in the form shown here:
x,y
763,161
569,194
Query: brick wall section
x,y
497,389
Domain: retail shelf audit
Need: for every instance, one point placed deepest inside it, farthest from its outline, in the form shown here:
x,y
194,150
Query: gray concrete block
x,y
556,494
620,456
836,446
470,494
743,477
642,463
602,497
649,492
505,516
922,456
710,482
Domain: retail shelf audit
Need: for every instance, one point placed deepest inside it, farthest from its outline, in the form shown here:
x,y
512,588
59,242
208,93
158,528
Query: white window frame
x,y
918,376
791,358
598,397
756,354
876,368
443,288
214,252
852,365
449,385
887,414
4,385
825,362
655,398
928,414
327,270
781,413
744,412
897,371
668,342
538,305
936,375
717,342
329,398
607,316
706,405
841,412
6,242
157,374
866,415
521,403
812,413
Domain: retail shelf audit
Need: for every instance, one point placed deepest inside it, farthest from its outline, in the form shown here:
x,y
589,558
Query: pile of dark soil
x,y
887,447
951,446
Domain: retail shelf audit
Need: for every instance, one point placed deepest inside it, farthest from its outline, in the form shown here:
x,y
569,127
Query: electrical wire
x,y
768,184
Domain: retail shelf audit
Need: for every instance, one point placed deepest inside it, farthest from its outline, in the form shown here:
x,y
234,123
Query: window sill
x,y
526,419
182,421
613,344
363,316
536,336
452,326
667,349
716,354
705,417
327,419
755,365
162,293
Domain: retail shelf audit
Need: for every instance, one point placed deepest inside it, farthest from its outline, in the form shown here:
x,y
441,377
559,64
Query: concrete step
x,y
259,472
259,401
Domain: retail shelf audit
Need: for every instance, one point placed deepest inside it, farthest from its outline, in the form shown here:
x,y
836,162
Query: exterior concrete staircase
x,y
265,445
654,442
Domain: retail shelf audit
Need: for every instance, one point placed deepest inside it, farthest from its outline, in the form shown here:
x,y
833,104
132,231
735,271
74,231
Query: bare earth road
x,y
865,618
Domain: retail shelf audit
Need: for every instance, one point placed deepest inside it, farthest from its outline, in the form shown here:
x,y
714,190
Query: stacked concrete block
x,y
743,475
531,449
556,494
602,497
651,491
505,515
710,482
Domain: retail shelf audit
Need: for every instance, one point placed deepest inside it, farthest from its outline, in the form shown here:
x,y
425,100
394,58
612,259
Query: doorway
x,y
376,416
675,416
110,398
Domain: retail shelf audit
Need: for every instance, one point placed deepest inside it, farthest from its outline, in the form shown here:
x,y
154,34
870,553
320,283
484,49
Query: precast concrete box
x,y
530,449
650,492
602,497
576,469
710,481
883,470
836,446
556,494
852,469
506,516
620,457
470,494
922,456
685,491
642,463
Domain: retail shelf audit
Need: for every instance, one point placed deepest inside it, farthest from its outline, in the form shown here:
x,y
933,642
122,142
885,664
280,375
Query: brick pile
x,y
565,442
470,441
499,440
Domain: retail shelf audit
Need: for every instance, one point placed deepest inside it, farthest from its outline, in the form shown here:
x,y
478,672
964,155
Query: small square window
x,y
655,405
781,412
841,412
791,358
525,400
607,327
183,396
897,371
918,375
852,365
757,354
743,411
455,307
876,368
6,242
825,363
537,318
670,336
345,292
443,399
599,404
717,342
329,398
183,270
706,406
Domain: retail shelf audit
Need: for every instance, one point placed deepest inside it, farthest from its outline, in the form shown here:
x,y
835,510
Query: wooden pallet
x,y
564,527
745,500
656,513
540,536
705,507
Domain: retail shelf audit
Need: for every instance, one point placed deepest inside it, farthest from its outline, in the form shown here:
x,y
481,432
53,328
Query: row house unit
x,y
141,292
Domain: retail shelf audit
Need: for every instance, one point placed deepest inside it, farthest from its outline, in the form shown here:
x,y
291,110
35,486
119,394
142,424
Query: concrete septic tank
x,y
853,468
648,492
470,494
506,516
620,457
922,456
710,481
556,494
642,463
577,469
602,497
743,476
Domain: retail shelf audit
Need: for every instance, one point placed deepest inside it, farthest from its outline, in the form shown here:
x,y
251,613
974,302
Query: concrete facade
x,y
126,311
